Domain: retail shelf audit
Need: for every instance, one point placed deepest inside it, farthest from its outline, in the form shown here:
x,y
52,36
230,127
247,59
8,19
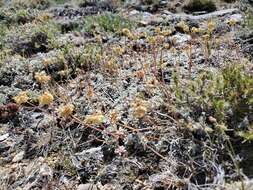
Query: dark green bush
x,y
200,5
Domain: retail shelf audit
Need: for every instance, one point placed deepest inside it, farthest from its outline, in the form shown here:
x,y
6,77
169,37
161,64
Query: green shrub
x,y
17,16
32,38
107,22
200,5
227,96
71,58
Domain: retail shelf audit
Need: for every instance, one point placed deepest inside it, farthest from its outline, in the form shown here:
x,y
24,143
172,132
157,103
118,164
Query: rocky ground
x,y
126,95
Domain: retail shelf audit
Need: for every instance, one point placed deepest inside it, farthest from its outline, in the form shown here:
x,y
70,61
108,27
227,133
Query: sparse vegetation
x,y
226,96
40,4
103,95
106,22
31,38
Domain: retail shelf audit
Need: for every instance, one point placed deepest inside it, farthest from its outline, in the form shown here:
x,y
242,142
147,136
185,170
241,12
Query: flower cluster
x,y
21,98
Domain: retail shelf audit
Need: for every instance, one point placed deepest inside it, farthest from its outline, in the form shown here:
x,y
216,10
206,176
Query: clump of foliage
x,y
39,4
200,5
70,58
107,22
31,38
17,16
228,95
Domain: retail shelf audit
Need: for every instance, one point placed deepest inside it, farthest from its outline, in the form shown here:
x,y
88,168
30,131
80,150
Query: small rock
x,y
181,38
3,137
87,186
18,157
45,170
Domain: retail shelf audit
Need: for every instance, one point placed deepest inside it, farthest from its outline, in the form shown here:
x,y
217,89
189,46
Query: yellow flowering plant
x,y
140,108
210,27
66,110
95,119
21,98
46,98
183,26
195,30
42,77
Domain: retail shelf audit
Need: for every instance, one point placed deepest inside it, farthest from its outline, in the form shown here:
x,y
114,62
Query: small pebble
x,y
87,186
18,157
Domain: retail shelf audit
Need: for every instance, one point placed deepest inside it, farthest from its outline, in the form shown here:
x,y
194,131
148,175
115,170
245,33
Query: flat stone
x,y
207,16
18,157
4,137
87,186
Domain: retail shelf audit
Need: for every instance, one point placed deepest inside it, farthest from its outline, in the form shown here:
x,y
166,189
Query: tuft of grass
x,y
107,22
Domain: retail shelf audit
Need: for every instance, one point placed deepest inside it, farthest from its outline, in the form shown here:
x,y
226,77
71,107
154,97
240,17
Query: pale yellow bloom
x,y
183,26
140,111
232,22
46,98
66,110
210,26
21,98
166,32
43,17
139,108
118,50
157,30
152,40
98,38
47,62
42,77
95,119
195,30
111,65
127,33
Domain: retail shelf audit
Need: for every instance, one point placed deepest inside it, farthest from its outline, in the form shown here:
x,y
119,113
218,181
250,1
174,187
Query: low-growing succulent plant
x,y
21,98
46,98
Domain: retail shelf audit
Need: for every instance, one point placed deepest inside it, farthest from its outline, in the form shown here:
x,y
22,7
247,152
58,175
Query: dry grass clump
x,y
136,101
